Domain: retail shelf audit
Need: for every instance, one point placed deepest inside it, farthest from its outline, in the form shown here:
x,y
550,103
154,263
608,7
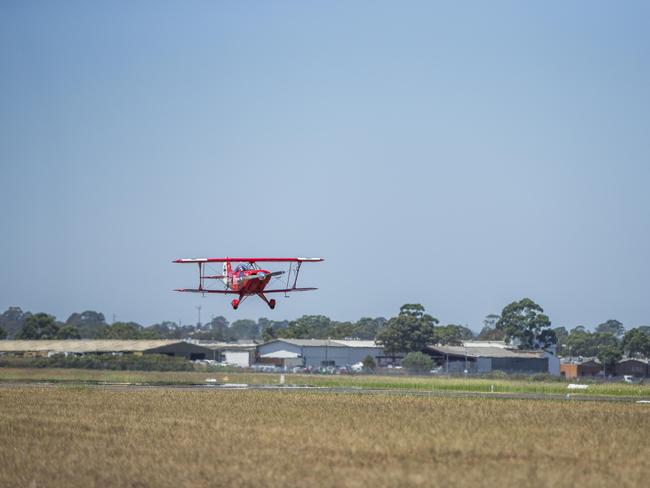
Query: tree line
x,y
521,323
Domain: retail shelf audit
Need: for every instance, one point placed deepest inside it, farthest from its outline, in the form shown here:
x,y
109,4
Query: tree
x,y
12,320
417,362
369,363
244,329
491,320
125,331
609,356
68,332
453,334
3,334
561,335
367,328
612,326
271,328
524,322
39,326
410,331
166,330
580,343
340,330
268,333
489,332
87,323
636,343
307,327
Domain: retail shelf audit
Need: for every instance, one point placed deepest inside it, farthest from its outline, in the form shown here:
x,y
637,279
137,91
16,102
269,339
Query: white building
x,y
317,353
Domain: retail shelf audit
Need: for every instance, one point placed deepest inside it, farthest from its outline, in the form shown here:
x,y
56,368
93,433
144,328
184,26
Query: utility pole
x,y
199,309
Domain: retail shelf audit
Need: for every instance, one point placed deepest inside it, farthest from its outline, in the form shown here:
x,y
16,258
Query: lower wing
x,y
230,292
288,290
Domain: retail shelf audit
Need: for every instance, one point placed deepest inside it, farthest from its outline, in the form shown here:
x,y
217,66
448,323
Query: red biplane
x,y
247,278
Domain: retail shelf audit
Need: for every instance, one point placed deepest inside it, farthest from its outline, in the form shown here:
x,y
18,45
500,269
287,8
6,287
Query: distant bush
x,y
417,362
544,377
146,362
496,374
369,363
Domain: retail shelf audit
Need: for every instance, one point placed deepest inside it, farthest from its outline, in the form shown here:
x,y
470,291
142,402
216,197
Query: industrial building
x,y
97,346
232,353
580,368
485,356
632,367
316,353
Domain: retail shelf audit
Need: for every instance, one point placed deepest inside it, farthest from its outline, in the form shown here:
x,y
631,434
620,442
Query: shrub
x,y
496,374
146,362
417,362
369,363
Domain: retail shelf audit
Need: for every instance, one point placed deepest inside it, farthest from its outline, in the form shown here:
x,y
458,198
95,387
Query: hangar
x,y
632,367
232,353
318,353
100,346
579,368
486,356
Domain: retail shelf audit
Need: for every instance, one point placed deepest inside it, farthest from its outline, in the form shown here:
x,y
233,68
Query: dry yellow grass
x,y
94,437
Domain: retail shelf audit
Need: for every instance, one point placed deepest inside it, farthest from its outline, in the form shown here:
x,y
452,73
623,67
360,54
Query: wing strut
x,y
295,280
286,295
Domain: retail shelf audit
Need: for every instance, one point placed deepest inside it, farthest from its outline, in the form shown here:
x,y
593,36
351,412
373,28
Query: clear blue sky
x,y
460,155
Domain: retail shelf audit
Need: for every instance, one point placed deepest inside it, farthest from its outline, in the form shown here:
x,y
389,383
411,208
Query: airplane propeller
x,y
260,276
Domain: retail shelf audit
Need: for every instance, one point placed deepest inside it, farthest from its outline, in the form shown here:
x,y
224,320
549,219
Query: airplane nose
x,y
261,276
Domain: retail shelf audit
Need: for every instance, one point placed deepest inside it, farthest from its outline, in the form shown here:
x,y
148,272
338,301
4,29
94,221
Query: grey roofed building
x,y
316,353
483,358
232,353
169,347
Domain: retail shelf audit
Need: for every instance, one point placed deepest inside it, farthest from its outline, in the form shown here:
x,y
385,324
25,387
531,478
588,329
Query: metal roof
x,y
328,343
357,343
228,345
636,360
485,351
87,345
281,355
500,344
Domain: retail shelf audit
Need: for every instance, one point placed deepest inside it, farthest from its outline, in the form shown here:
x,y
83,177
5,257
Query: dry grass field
x,y
79,436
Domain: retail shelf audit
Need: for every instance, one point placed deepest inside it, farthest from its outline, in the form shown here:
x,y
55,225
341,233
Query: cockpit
x,y
242,267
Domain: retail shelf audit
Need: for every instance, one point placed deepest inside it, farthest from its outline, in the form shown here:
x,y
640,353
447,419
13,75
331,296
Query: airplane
x,y
247,278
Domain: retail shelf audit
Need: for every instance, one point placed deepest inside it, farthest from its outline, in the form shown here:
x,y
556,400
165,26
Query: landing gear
x,y
270,303
235,304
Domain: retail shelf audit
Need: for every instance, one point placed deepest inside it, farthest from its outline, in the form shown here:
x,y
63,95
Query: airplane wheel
x,y
272,303
235,304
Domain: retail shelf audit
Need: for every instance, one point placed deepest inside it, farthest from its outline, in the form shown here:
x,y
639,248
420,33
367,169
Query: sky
x,y
460,155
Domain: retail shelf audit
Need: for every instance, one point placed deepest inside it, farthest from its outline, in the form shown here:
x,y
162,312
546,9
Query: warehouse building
x,y
580,368
485,356
316,353
232,353
631,367
96,346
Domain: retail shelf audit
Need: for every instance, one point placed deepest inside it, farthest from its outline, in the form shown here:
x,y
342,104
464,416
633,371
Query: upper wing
x,y
247,260
196,290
